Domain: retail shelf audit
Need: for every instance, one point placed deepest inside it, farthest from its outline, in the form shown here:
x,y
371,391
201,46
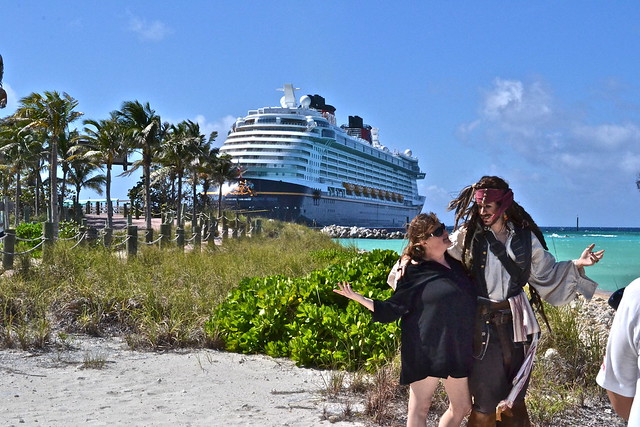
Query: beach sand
x,y
194,388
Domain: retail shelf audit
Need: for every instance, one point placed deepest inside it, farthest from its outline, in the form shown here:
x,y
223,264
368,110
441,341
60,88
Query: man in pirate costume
x,y
503,249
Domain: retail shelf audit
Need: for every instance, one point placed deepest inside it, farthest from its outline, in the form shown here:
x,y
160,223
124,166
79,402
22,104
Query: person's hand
x,y
589,257
346,291
401,264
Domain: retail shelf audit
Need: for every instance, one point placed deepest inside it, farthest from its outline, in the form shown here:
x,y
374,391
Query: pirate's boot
x,y
479,419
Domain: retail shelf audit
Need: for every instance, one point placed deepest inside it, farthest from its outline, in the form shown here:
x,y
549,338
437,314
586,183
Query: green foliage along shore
x,y
159,299
303,319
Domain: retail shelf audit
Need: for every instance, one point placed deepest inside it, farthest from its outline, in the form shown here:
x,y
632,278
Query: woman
x,y
503,249
436,303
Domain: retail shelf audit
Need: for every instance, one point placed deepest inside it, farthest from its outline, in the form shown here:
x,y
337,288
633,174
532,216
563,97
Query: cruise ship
x,y
298,165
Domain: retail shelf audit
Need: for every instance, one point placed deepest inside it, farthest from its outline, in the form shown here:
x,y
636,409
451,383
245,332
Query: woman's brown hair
x,y
420,228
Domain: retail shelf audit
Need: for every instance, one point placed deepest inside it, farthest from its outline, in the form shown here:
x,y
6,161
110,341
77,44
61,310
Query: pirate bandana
x,y
503,198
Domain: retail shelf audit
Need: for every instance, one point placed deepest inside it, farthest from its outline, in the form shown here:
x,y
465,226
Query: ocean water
x,y
620,265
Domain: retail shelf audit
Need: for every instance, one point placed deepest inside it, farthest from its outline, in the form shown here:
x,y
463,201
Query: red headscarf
x,y
504,199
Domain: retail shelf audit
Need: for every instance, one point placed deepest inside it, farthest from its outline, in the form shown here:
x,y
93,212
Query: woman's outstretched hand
x,y
344,289
589,257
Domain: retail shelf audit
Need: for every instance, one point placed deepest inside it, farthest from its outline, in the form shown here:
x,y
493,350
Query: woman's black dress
x,y
438,307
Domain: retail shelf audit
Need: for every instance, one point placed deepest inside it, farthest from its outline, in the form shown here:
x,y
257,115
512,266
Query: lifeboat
x,y
348,186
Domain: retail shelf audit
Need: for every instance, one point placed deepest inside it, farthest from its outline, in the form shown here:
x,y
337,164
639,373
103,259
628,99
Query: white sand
x,y
196,388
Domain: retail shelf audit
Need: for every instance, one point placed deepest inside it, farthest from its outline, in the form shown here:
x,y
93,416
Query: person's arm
x,y
621,404
558,282
346,291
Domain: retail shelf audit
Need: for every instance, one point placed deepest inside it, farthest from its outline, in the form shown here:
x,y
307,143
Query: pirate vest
x,y
521,248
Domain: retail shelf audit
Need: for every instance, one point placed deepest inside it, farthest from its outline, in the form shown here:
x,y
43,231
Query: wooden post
x,y
165,231
180,238
132,240
92,236
108,237
148,235
258,227
214,228
47,247
197,238
9,248
225,228
236,227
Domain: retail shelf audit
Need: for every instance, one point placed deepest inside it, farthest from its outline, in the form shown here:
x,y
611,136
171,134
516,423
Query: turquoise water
x,y
620,265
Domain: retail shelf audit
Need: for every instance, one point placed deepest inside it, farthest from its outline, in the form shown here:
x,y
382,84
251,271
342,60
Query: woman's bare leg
x,y
420,395
459,402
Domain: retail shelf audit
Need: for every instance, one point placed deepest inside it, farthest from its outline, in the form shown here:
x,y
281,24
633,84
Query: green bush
x,y
305,320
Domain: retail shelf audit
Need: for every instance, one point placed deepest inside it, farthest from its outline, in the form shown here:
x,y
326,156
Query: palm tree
x,y
146,133
105,142
80,176
20,149
52,113
182,147
207,164
224,170
200,169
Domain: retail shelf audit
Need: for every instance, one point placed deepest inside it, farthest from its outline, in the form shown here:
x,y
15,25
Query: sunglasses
x,y
438,231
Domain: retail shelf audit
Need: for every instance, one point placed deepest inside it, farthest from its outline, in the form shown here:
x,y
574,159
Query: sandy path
x,y
197,388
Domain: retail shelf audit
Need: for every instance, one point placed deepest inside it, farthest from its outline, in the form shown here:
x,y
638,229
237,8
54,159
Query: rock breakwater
x,y
341,232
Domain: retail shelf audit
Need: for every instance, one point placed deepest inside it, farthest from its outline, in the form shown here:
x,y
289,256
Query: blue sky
x,y
545,94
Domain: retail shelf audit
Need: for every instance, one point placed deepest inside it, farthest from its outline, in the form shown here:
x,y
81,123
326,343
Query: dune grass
x,y
159,299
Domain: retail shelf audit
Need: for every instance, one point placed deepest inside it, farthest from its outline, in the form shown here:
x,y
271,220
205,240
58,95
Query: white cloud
x,y
523,119
149,31
608,136
222,126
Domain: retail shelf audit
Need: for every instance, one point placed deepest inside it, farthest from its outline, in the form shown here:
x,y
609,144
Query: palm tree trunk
x,y
147,195
109,204
17,204
179,201
220,202
38,190
194,219
5,224
53,182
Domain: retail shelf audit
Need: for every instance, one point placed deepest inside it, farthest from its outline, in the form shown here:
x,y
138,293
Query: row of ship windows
x,y
348,160
362,147
368,179
380,175
270,120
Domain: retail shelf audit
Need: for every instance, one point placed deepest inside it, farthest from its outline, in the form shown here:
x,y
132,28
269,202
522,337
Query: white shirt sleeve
x,y
557,282
620,371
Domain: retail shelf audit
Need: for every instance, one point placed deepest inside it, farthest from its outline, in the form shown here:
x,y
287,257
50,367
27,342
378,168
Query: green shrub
x,y
305,320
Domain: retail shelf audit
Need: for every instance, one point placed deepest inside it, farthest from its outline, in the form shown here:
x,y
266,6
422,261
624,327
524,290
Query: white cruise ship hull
x,y
298,165
297,203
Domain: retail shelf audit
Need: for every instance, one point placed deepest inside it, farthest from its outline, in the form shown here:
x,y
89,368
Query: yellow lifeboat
x,y
348,186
